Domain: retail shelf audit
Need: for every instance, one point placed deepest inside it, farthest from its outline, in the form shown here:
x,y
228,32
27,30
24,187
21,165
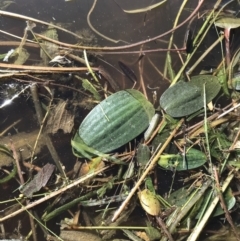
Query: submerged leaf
x,y
60,118
49,49
127,71
21,55
180,197
181,99
223,78
227,22
229,199
211,82
185,98
40,180
143,154
236,81
88,86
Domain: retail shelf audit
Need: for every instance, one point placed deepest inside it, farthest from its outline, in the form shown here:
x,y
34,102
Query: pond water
x,y
107,25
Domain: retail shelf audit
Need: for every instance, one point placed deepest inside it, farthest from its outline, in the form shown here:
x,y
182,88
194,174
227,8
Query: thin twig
x,y
47,68
53,194
16,158
23,17
235,141
5,13
140,67
226,112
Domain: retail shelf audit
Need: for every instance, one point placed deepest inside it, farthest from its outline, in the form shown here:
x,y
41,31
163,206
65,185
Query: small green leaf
x,y
194,158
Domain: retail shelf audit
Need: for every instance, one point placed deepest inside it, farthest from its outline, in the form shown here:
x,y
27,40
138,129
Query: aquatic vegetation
x,y
166,148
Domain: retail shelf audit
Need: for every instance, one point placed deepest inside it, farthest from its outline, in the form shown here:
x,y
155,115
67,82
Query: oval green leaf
x,y
115,121
212,85
194,158
149,202
181,99
185,98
